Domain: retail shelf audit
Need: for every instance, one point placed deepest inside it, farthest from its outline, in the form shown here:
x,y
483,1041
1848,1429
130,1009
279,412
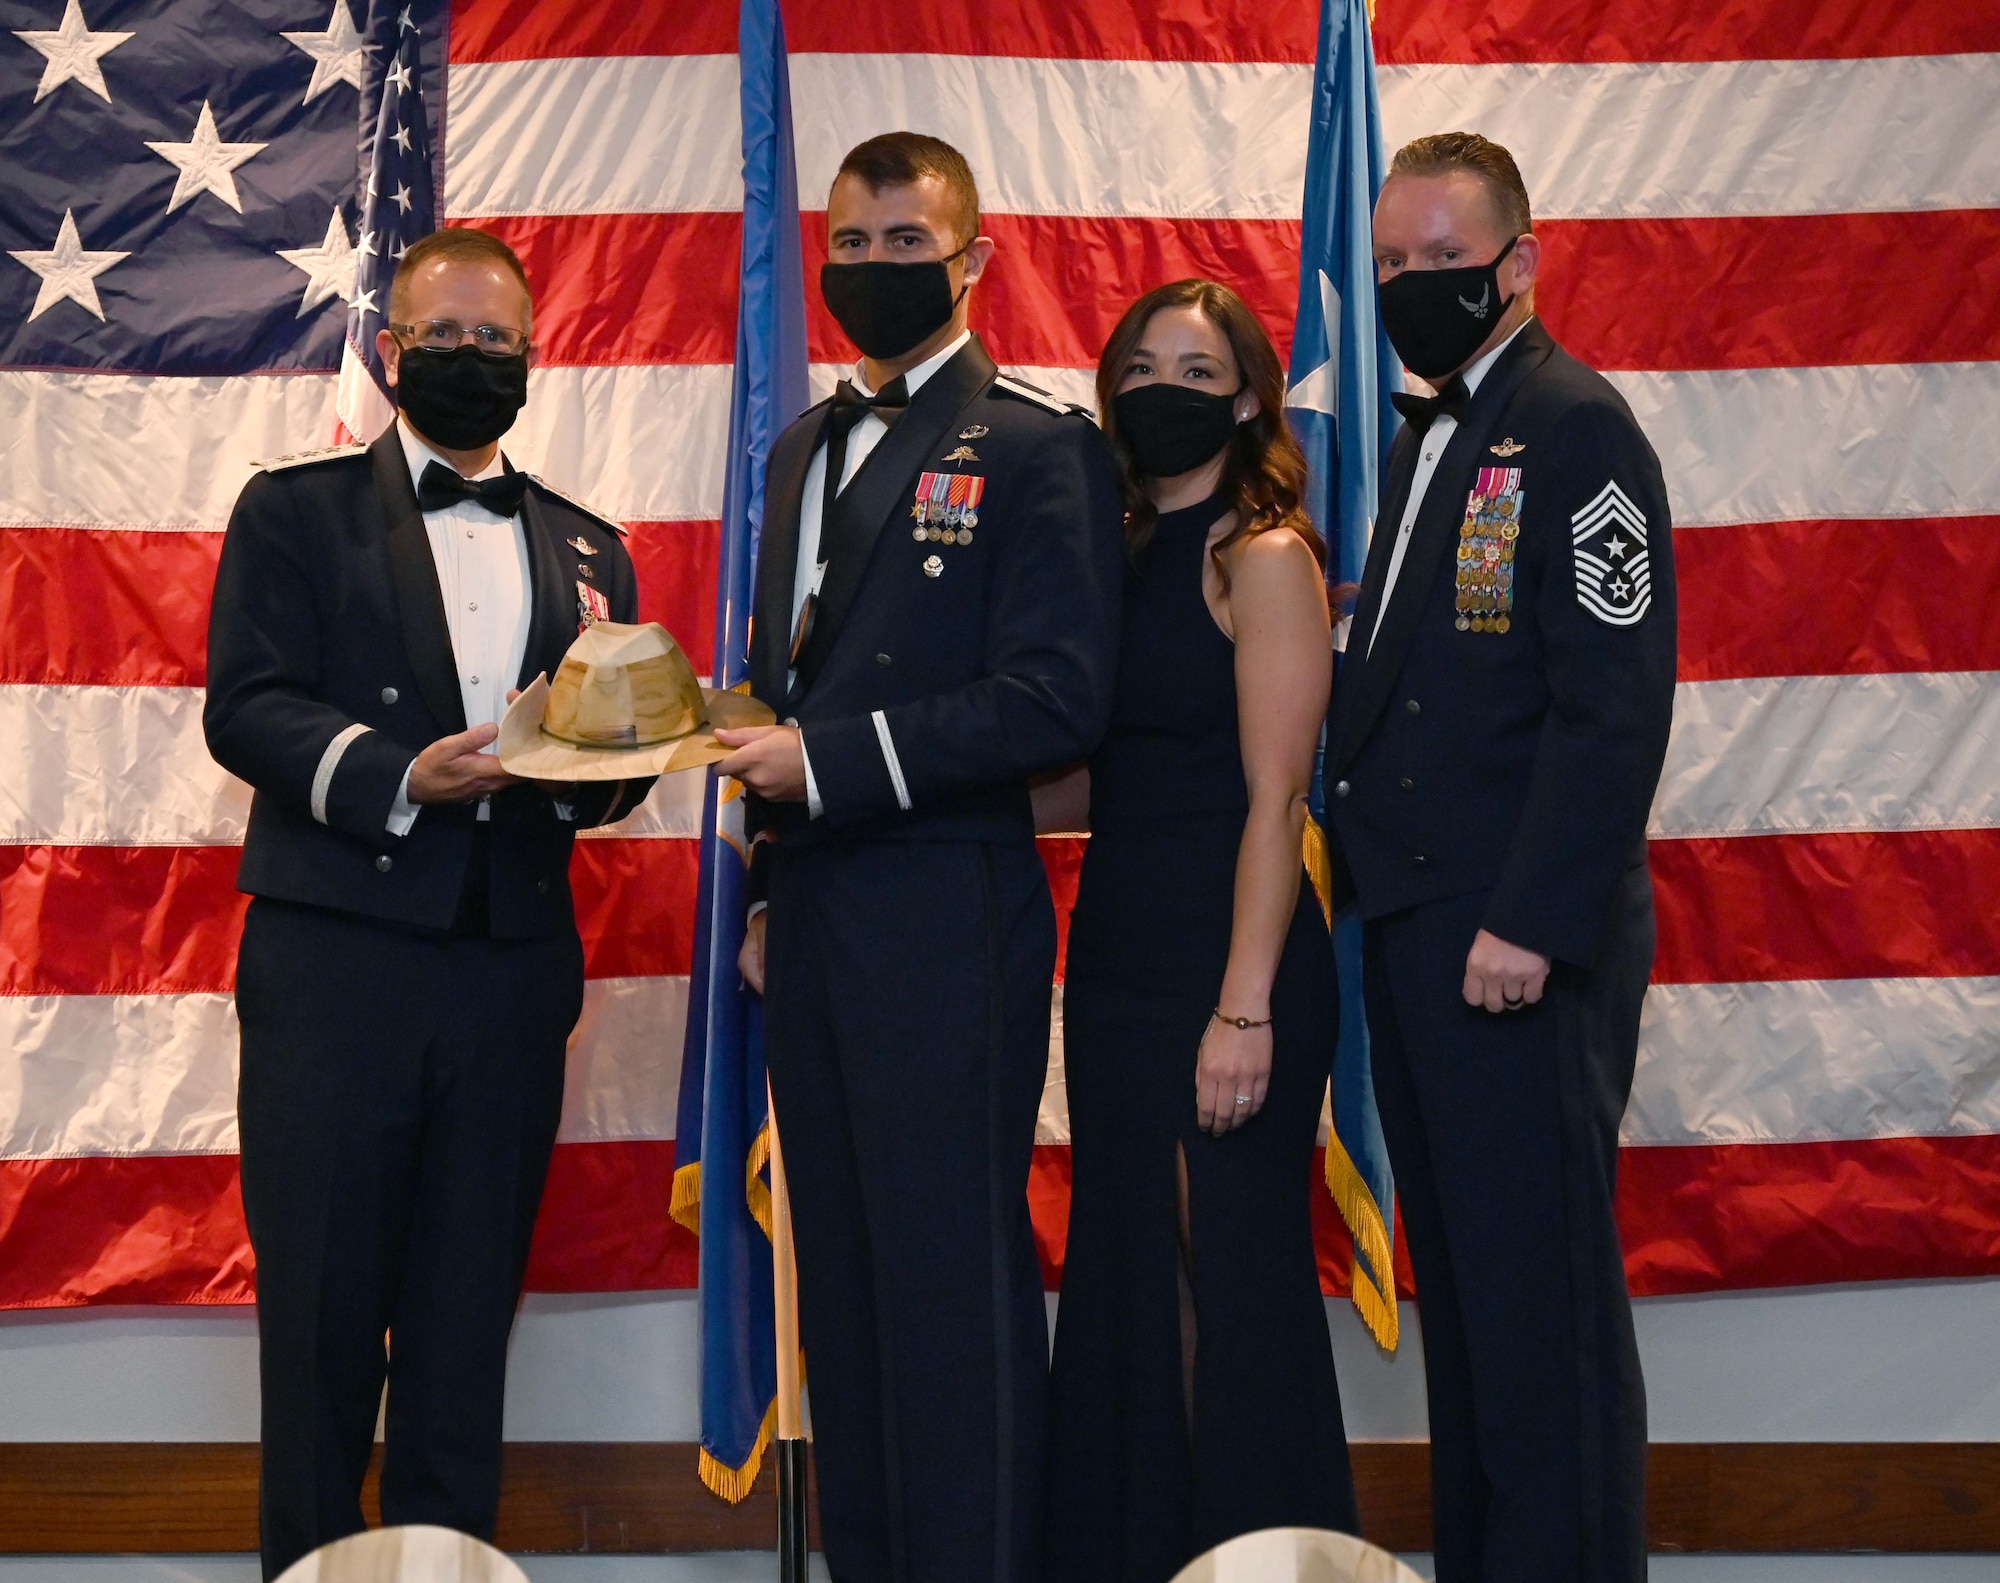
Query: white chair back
x,y
1296,1555
414,1554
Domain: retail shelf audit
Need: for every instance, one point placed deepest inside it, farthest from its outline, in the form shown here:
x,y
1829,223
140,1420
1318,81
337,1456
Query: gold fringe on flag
x,y
756,1190
733,1484
685,1205
1356,1203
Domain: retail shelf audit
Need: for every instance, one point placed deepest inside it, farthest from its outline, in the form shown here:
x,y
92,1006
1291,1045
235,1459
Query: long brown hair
x,y
1264,476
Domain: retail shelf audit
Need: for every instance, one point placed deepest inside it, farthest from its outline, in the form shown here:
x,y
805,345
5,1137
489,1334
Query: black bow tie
x,y
850,406
441,488
1422,411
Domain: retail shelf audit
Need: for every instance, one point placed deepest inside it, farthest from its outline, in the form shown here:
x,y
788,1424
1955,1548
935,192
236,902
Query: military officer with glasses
x,y
410,968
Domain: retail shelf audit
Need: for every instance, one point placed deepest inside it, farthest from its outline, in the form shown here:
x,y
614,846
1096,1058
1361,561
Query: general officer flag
x,y
1342,374
719,1187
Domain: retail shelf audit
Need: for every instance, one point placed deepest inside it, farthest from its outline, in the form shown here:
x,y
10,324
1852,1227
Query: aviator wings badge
x,y
1507,447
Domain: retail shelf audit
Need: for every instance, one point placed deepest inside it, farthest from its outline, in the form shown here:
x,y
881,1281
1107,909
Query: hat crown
x,y
624,686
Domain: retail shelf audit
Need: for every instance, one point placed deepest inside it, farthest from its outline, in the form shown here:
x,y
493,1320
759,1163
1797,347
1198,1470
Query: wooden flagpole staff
x,y
793,1538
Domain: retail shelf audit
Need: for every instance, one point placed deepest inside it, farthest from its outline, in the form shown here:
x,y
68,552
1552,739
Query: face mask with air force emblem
x,y
1437,318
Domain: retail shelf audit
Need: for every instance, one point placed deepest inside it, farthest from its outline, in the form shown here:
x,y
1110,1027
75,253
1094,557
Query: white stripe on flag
x,y
1817,1060
156,1074
127,766
1766,755
636,134
641,443
1752,137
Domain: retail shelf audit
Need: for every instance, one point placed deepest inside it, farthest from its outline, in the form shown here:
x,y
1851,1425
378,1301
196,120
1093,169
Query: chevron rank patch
x,y
1614,577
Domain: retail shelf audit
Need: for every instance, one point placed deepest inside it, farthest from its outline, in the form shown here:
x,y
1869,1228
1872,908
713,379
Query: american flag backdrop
x,y
1776,224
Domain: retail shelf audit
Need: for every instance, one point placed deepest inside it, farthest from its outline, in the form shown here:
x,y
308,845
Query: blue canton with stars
x,y
179,178
399,176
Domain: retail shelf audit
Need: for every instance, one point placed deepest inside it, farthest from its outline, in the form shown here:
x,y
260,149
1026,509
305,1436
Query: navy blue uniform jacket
x,y
968,681
1522,762
330,668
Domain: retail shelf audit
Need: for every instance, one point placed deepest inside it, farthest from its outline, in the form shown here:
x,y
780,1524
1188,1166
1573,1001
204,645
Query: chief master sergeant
x,y
1497,734
410,967
936,620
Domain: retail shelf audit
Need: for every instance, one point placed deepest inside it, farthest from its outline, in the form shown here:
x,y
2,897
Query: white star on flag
x,y
205,163
73,53
399,77
329,267
68,271
336,53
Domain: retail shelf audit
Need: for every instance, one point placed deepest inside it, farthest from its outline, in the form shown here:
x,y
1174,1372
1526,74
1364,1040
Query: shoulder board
x,y
301,458
581,505
1035,393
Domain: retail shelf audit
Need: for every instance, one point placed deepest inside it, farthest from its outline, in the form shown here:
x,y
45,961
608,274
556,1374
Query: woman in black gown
x,y
1200,1003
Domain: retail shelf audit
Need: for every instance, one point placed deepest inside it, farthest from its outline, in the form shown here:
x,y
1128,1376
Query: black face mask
x,y
886,309
1171,429
1437,318
461,399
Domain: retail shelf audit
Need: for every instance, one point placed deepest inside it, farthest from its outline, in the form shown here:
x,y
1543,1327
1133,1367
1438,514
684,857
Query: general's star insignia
x,y
974,431
1507,447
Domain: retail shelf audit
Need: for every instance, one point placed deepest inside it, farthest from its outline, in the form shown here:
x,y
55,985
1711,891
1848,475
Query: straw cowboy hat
x,y
624,703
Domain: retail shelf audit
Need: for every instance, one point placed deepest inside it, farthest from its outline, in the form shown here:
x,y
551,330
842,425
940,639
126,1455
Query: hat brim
x,y
525,750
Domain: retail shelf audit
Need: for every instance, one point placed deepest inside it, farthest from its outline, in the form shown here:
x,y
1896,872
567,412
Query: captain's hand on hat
x,y
770,760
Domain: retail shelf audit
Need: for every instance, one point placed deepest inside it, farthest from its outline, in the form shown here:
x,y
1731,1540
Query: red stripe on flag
x,y
635,906
1062,856
119,920
604,1225
629,288
1763,292
158,920
1774,291
1190,30
483,30
1716,1216
1870,905
1644,30
677,563
164,1228
110,607
169,1228
1839,597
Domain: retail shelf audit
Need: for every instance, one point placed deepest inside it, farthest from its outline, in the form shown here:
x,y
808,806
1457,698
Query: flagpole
x,y
793,1538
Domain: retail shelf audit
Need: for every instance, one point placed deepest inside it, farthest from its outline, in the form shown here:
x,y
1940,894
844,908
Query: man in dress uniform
x,y
936,621
410,967
1497,734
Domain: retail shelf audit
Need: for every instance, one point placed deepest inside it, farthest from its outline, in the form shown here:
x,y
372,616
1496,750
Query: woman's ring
x,y
1242,1099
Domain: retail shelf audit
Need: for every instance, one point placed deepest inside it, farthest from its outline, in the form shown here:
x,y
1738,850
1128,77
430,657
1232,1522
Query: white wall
x,y
1912,1361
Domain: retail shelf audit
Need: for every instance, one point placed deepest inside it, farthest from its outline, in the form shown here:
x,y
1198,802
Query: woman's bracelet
x,y
1219,1015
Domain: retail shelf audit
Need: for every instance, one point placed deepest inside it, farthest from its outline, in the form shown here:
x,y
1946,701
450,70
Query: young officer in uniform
x,y
410,967
936,621
1497,734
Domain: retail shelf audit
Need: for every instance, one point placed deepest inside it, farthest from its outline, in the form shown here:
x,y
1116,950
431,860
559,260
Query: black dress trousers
x,y
398,1102
906,1012
1503,1131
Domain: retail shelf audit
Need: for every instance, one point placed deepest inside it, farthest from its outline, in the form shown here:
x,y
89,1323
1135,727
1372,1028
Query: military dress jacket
x,y
1507,730
966,633
330,668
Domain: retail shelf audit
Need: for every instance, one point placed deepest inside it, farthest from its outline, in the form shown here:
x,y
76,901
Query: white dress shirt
x,y
1435,438
861,441
482,572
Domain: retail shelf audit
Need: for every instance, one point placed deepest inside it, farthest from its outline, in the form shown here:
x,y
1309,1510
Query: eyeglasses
x,y
443,335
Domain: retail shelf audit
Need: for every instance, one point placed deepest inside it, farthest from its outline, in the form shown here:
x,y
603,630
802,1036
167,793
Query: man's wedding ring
x,y
1513,1003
